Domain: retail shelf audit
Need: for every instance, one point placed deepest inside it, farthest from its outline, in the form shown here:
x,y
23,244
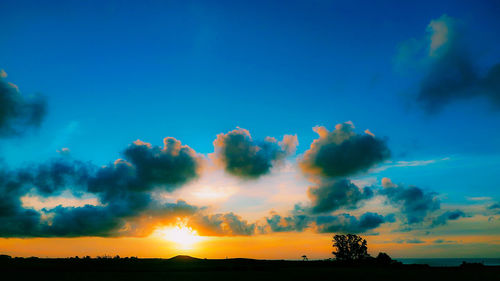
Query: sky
x,y
249,129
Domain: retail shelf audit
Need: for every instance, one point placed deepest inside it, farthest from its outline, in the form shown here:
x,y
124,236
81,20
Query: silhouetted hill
x,y
183,258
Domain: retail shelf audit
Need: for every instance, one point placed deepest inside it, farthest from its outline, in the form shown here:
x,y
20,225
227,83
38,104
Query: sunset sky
x,y
251,129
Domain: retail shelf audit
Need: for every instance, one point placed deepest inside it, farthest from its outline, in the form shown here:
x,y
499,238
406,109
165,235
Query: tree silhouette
x,y
304,258
350,247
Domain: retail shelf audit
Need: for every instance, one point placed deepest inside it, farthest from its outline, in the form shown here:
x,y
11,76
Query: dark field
x,y
185,268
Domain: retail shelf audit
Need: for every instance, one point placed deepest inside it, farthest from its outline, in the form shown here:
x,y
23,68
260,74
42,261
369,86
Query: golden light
x,y
182,235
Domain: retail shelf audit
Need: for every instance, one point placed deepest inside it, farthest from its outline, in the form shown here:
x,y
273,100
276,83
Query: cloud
x,y
109,220
450,69
297,221
244,157
409,241
442,241
88,220
481,198
227,224
345,223
146,167
17,114
415,203
414,163
56,175
170,165
331,195
118,202
448,216
64,151
493,208
277,223
301,219
14,219
123,189
46,179
126,203
342,152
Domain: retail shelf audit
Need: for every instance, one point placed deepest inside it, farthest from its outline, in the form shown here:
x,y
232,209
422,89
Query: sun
x,y
182,235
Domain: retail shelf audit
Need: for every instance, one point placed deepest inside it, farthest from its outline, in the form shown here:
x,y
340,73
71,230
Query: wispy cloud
x,y
402,164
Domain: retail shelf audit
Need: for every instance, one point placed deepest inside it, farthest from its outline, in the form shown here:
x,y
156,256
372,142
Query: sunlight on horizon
x,y
183,236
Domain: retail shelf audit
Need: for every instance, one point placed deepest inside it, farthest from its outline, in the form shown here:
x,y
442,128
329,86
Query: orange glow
x,y
270,246
184,237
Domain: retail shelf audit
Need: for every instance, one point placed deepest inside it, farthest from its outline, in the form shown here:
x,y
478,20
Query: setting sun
x,y
182,235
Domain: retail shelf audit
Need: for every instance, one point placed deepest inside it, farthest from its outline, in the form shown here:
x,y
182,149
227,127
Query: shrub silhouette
x,y
350,248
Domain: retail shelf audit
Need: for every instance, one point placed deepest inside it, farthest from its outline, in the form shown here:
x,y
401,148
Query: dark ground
x,y
186,268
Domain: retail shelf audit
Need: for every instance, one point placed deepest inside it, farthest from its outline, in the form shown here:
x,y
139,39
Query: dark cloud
x,y
53,177
414,241
390,218
145,167
125,186
342,152
278,223
123,189
492,209
494,206
297,221
346,223
20,223
118,202
245,157
409,241
332,195
17,114
451,70
88,220
170,165
110,220
415,203
448,216
301,218
227,224
442,241
14,219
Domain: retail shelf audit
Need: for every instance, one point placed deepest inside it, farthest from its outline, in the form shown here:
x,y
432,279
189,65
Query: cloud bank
x,y
123,188
346,223
339,223
228,224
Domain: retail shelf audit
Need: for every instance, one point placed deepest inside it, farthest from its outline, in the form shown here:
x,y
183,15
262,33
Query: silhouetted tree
x,y
304,258
350,247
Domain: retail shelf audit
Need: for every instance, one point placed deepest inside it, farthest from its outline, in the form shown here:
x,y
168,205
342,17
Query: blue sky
x,y
116,72
119,71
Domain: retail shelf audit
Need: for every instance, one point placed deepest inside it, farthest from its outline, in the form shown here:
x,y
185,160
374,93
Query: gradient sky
x,y
423,78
